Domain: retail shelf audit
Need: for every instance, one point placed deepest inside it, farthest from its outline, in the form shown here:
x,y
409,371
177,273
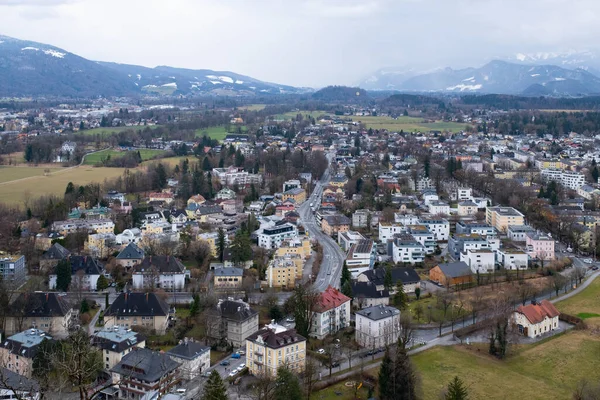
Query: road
x,y
333,256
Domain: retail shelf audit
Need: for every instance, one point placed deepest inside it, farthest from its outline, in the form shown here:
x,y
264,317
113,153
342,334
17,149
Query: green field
x,y
8,174
305,114
253,107
114,129
585,305
548,370
96,158
218,132
36,186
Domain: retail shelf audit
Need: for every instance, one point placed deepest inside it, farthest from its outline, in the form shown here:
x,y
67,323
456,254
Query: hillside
x,y
341,94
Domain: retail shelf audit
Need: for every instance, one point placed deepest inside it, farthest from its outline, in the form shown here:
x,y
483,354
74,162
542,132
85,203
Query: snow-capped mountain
x,y
36,69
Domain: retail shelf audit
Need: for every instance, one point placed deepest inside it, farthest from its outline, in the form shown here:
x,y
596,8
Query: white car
x,y
321,351
233,373
588,260
242,366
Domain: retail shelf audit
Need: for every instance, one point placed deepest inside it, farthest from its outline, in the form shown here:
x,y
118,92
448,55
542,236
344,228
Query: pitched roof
x,y
56,252
275,340
368,290
535,313
229,271
329,299
405,275
336,220
455,269
13,381
145,364
131,252
40,305
144,304
163,264
188,350
86,264
376,313
235,310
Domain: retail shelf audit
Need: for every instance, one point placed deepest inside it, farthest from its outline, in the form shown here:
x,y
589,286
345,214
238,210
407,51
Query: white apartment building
x,y
377,326
439,208
407,250
569,179
513,259
387,231
273,237
348,239
331,313
480,261
439,227
360,218
463,194
518,233
361,257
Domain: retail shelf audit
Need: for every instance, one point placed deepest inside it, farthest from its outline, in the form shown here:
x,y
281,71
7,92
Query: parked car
x,y
205,374
321,351
595,268
335,364
241,352
232,373
290,319
236,356
242,366
225,363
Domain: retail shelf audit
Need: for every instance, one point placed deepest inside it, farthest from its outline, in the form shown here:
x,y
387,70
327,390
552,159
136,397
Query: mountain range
x,y
35,69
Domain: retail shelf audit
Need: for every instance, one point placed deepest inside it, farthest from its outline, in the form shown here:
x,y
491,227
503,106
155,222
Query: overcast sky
x,y
303,42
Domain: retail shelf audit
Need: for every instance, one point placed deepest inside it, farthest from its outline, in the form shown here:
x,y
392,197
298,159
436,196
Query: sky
x,y
304,42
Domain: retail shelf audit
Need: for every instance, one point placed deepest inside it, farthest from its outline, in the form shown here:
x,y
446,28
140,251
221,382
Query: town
x,y
222,249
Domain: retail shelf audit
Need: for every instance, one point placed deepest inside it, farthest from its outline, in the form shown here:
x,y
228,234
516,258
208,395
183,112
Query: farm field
x,y
547,370
95,158
585,305
218,132
8,174
36,186
114,129
253,107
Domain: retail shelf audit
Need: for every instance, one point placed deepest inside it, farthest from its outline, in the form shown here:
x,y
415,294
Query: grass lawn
x,y
425,303
345,392
253,107
216,356
548,370
218,132
305,114
115,129
8,174
585,305
408,124
96,158
15,192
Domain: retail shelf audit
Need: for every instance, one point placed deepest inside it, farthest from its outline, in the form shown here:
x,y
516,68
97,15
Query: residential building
x,y
548,163
230,176
193,358
300,246
461,243
348,239
475,228
225,194
18,387
407,250
513,258
422,235
339,181
518,233
88,225
228,278
439,227
361,257
439,208
144,371
138,309
377,326
291,184
588,192
161,197
540,247
332,224
85,272
165,272
480,261
232,321
272,347
273,237
49,312
467,207
387,231
283,271
115,342
133,235
360,218
50,259
569,179
430,195
534,320
503,217
298,195
464,194
366,294
408,276
100,244
130,256
451,274
18,351
13,269
331,313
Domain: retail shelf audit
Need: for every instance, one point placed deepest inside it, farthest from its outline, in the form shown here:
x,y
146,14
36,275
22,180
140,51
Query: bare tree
x,y
587,391
407,331
263,387
310,376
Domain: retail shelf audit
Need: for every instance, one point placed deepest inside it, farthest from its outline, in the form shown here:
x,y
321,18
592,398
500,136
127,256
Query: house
x,y
361,257
131,255
85,272
439,208
513,258
273,237
144,371
283,271
406,249
539,247
332,224
179,217
367,294
503,217
348,239
100,244
291,184
387,231
138,309
225,194
275,346
360,218
475,228
480,261
232,321
49,260
518,233
536,319
464,194
115,342
439,227
49,312
339,181
88,225
466,208
296,194
451,274
228,278
193,358
161,197
377,326
18,351
331,313
408,276
461,243
165,272
114,196
18,387
133,235
13,269
196,200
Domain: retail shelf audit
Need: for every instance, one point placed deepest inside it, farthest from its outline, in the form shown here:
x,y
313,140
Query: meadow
x,y
107,131
218,132
585,305
8,174
96,158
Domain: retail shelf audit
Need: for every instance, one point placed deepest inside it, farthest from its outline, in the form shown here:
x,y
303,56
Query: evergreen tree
x,y
388,281
595,174
347,289
386,389
400,298
405,381
221,244
102,283
63,275
206,165
287,385
427,166
241,248
85,306
541,193
215,388
418,293
195,306
346,275
456,390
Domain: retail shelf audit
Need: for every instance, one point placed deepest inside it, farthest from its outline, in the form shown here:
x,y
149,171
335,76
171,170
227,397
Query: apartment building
x,y
518,233
331,313
89,225
439,227
377,326
115,342
232,321
539,246
360,218
300,246
503,217
513,258
273,237
480,261
361,257
569,179
283,271
138,309
406,249
18,351
165,272
13,269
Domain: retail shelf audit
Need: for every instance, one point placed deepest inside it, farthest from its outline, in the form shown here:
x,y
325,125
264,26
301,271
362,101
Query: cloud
x,y
45,3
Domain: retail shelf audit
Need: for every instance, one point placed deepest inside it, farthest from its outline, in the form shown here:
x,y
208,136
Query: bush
x,y
85,319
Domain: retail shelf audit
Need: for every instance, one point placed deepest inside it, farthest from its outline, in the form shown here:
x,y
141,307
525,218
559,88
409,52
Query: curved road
x,y
333,256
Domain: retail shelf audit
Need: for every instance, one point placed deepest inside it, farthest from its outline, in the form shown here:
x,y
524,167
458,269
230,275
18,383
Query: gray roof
x,y
142,304
145,364
405,275
163,264
56,252
131,252
236,310
188,350
377,313
229,271
13,381
455,269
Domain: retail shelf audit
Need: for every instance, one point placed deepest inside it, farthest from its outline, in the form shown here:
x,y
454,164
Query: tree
x,y
400,298
456,390
221,244
63,275
418,293
215,388
275,313
287,385
85,306
347,289
206,166
388,281
346,275
302,303
385,377
405,379
102,283
241,248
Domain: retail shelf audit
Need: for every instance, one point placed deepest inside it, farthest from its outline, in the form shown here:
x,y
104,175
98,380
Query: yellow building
x,y
228,278
296,194
300,246
100,244
549,163
283,271
503,217
275,346
211,239
339,181
333,224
